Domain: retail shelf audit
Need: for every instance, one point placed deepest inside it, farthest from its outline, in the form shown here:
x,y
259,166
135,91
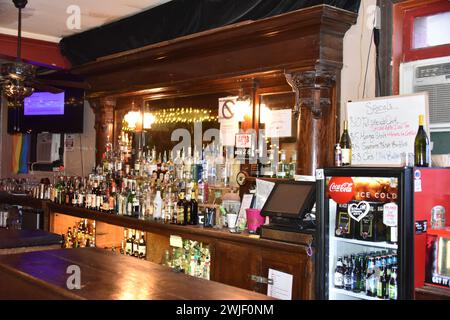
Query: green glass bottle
x,y
421,146
346,146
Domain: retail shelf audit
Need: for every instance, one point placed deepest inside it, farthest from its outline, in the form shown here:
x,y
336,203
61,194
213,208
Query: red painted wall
x,y
34,51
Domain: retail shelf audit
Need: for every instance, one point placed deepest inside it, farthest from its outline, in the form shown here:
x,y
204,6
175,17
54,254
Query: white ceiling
x,y
46,19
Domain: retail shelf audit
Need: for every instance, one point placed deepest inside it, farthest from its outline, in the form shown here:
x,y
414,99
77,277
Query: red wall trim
x,y
401,31
411,54
34,51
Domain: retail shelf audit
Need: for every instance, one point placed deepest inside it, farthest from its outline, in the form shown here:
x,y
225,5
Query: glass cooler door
x,y
361,230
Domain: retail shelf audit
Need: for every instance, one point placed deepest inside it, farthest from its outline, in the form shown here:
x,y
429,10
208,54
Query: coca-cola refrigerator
x,y
431,217
364,233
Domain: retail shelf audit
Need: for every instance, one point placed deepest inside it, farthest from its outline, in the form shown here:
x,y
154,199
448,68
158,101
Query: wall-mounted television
x,y
48,112
44,104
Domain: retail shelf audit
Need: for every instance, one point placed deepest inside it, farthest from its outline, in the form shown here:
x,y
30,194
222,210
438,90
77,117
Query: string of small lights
x,y
183,115
172,116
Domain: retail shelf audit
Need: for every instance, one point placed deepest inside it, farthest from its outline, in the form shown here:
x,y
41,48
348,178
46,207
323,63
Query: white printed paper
x,y
263,190
279,124
281,285
417,185
176,241
390,214
245,204
228,131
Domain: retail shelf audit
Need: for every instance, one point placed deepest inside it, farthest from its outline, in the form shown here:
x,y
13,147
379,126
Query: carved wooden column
x,y
316,112
104,121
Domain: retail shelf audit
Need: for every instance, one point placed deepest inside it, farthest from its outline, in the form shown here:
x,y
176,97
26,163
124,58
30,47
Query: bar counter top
x,y
104,275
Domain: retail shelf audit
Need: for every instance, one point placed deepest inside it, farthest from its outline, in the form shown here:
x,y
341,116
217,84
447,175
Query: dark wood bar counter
x,y
253,257
105,275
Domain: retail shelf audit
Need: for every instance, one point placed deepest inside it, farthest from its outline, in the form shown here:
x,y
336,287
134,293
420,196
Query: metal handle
x,y
259,279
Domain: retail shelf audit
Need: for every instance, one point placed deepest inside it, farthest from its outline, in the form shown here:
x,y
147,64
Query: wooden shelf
x,y
196,232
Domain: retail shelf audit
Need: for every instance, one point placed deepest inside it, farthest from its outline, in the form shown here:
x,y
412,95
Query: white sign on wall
x,y
279,124
382,129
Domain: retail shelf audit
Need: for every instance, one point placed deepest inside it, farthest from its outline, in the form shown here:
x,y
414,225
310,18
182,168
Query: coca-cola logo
x,y
341,189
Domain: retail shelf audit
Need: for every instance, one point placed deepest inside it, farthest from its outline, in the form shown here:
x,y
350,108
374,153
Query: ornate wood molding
x,y
316,110
312,90
104,123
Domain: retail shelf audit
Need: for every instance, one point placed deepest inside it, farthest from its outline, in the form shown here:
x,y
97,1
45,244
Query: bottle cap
x,y
421,120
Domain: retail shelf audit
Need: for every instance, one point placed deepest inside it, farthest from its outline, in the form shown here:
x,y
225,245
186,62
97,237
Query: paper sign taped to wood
x,y
383,130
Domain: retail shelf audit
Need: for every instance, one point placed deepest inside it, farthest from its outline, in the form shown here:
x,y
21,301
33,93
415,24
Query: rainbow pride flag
x,y
20,153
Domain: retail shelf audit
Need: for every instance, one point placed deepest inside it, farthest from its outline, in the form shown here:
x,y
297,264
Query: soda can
x,y
438,217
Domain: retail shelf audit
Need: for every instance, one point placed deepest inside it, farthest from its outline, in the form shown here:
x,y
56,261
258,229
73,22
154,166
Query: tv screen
x,y
48,112
44,103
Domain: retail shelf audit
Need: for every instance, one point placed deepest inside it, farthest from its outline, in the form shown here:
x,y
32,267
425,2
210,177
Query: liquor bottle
x,y
142,247
293,166
194,210
393,284
283,168
346,146
136,244
179,212
130,199
421,146
157,203
187,208
274,162
339,274
129,243
188,166
179,166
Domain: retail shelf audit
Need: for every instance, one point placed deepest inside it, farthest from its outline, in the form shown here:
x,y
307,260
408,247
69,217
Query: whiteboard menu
x,y
381,129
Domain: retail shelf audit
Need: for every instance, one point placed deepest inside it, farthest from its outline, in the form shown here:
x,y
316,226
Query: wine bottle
x,y
421,146
346,146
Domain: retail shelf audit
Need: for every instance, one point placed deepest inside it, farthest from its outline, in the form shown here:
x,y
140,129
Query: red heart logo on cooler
x,y
341,189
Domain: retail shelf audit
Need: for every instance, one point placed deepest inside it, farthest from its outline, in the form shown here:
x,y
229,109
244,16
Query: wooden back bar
x,y
300,51
106,276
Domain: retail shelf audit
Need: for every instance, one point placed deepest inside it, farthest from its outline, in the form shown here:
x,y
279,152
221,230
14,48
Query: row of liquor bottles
x,y
81,235
193,258
373,274
134,244
214,164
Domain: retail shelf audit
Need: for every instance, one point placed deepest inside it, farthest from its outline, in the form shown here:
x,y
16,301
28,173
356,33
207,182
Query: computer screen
x,y
290,199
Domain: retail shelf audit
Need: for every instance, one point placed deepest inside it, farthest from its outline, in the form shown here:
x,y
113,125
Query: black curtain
x,y
175,19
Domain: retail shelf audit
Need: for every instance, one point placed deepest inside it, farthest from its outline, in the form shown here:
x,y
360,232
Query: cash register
x,y
290,208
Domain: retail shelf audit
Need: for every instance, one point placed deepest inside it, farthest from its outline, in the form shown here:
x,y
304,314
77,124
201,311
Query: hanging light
x,y
149,119
133,118
243,106
264,113
16,77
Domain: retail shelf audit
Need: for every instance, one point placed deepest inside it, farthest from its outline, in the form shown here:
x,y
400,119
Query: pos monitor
x,y
288,203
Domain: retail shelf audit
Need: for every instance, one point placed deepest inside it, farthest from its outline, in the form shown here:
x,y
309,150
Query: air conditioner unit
x,y
432,76
47,147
